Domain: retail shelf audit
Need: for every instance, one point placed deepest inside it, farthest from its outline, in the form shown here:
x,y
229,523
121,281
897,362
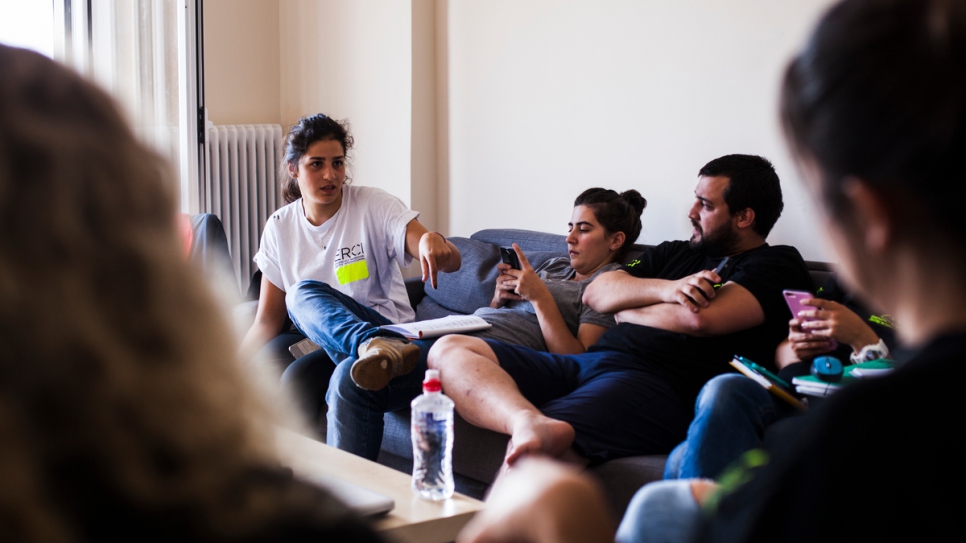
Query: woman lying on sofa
x,y
539,308
880,137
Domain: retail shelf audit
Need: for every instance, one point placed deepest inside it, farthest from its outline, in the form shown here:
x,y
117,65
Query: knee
x,y
672,467
660,511
724,388
450,349
657,491
303,290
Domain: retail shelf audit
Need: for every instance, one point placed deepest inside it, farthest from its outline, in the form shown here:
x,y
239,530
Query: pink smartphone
x,y
794,299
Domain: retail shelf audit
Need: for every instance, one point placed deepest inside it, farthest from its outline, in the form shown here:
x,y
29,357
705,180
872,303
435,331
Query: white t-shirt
x,y
356,251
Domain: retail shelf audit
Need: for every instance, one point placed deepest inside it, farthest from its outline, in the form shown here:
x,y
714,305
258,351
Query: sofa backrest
x,y
528,240
472,286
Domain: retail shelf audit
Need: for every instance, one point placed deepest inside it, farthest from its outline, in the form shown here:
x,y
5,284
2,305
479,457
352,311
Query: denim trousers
x,y
333,320
731,415
355,417
661,512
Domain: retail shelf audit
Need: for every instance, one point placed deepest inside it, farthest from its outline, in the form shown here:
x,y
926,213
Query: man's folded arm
x,y
733,309
613,291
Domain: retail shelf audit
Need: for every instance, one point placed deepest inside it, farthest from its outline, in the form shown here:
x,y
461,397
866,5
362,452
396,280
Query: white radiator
x,y
241,186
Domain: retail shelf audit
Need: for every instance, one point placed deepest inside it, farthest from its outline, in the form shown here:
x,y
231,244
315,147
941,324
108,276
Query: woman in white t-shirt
x,y
330,258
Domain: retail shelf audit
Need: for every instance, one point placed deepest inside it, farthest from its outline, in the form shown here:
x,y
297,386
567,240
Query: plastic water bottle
x,y
432,433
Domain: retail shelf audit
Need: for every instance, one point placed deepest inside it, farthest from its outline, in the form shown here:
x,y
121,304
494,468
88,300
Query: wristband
x,y
870,352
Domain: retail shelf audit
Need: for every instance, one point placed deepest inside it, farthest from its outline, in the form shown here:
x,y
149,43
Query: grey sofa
x,y
479,453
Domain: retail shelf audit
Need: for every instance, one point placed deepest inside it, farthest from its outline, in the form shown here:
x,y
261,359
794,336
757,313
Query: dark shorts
x,y
617,406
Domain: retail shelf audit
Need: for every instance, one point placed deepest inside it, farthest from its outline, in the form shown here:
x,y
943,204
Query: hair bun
x,y
635,200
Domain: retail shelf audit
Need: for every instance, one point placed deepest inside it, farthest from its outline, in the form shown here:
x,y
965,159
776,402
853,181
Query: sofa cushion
x,y
463,291
428,309
472,286
477,453
623,477
528,240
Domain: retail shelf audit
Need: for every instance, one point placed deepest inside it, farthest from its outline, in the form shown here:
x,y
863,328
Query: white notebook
x,y
453,324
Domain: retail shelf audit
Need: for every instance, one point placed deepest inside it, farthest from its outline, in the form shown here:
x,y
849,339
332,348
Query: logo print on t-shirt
x,y
350,264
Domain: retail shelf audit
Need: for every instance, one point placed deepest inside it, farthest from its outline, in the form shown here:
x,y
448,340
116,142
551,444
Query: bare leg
x,y
486,396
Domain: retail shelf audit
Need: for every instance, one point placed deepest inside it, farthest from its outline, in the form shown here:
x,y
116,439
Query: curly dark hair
x,y
308,130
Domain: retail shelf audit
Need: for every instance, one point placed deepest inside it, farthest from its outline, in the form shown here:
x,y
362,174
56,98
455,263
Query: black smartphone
x,y
721,268
509,256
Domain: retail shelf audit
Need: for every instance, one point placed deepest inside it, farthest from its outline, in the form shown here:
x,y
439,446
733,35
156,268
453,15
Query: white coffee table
x,y
412,520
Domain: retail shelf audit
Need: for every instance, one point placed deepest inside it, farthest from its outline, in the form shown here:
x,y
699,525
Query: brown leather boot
x,y
381,359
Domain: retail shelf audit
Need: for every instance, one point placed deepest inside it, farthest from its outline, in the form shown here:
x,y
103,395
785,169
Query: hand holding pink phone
x,y
794,299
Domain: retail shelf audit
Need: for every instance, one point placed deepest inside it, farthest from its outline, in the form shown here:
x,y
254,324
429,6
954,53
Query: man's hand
x,y
694,291
434,255
832,321
540,500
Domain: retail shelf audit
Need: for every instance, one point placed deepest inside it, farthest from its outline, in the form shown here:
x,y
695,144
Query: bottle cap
x,y
431,381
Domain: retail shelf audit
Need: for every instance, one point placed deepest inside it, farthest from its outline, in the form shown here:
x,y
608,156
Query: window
x,y
28,24
143,52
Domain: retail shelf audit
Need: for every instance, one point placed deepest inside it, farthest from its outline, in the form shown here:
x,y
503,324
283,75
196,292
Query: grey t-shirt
x,y
516,323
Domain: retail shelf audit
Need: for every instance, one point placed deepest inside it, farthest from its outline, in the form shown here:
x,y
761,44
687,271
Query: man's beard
x,y
720,242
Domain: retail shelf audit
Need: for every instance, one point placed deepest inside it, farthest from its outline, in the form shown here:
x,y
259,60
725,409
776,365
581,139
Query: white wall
x,y
424,190
528,103
353,60
241,61
549,97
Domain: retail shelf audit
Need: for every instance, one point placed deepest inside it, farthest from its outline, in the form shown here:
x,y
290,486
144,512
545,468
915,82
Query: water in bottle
x,y
432,433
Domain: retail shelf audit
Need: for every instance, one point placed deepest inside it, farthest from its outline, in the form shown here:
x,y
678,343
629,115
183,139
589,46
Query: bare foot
x,y
537,434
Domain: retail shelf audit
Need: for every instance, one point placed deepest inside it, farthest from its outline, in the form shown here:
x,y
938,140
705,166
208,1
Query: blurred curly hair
x,y
118,374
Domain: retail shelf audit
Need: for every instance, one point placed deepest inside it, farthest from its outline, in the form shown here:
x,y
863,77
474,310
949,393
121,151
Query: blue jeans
x,y
333,320
731,415
355,417
663,511
306,380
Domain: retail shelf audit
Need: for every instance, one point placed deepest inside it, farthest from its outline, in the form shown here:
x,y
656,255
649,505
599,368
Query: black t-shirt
x,y
687,361
877,461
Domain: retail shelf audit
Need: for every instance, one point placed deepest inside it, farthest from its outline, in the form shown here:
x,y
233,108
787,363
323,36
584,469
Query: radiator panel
x,y
241,186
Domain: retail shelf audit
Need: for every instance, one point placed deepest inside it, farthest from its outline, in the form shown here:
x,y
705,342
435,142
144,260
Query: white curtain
x,y
135,50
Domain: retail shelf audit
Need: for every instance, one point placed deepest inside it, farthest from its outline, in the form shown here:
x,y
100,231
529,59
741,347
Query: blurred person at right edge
x,y
874,109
